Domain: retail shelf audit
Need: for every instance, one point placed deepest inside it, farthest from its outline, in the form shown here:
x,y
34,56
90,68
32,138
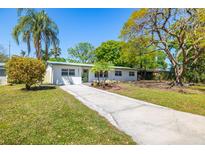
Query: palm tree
x,y
39,27
49,32
56,52
23,53
23,30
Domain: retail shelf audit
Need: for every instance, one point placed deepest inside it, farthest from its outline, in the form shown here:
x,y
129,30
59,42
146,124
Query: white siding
x,y
59,79
48,75
3,80
53,75
111,75
3,77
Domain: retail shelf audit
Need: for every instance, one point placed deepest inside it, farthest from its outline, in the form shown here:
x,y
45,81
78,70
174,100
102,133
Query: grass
x,y
200,88
193,103
52,116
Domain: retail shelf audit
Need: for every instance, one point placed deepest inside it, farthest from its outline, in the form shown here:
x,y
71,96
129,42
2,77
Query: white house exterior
x,y
3,78
61,73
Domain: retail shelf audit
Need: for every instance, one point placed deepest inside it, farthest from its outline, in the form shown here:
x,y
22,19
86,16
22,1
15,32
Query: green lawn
x,y
200,88
194,103
52,116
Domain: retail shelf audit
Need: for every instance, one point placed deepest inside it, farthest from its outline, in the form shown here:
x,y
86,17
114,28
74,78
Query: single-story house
x,y
60,73
3,78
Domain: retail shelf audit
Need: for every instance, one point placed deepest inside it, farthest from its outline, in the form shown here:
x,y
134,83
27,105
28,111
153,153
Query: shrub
x,y
28,71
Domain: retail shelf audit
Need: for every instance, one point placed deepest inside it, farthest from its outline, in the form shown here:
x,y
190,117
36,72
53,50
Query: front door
x,y
85,75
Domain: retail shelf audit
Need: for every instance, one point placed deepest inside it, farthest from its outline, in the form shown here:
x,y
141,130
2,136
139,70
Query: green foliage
x,y
58,59
160,59
196,71
23,53
101,66
82,53
110,51
56,52
179,33
3,57
136,54
38,27
45,56
29,71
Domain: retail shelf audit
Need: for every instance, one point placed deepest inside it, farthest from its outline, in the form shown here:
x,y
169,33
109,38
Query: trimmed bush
x,y
28,71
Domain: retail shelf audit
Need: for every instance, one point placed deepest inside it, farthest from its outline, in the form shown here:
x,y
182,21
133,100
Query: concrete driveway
x,y
145,122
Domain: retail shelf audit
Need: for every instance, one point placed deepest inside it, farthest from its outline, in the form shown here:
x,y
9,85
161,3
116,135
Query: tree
x,y
3,57
39,27
137,55
177,32
45,56
56,52
25,70
23,53
101,67
82,53
110,51
196,71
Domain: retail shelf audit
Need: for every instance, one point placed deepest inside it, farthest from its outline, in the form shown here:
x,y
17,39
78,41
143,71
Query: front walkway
x,y
146,123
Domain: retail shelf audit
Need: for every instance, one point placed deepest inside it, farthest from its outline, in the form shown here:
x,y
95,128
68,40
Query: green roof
x,y
83,64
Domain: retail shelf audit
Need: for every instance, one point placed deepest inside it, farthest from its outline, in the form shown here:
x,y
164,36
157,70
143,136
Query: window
x,y
118,73
131,73
71,72
101,74
2,72
64,72
98,75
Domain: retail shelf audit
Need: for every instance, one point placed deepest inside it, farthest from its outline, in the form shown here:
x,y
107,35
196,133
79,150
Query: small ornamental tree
x,y
28,71
103,67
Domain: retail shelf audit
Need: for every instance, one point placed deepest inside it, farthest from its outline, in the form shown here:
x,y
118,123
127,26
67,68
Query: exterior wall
x,y
3,78
48,75
53,75
111,75
58,79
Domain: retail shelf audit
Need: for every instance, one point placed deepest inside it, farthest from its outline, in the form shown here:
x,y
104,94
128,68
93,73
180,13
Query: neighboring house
x,y
3,79
75,73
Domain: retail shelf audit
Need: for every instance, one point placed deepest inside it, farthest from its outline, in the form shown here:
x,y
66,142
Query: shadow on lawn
x,y
41,87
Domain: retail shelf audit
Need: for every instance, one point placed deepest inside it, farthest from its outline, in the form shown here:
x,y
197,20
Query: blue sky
x,y
75,25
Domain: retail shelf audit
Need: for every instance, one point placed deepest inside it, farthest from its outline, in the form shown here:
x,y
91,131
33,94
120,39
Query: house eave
x,y
85,65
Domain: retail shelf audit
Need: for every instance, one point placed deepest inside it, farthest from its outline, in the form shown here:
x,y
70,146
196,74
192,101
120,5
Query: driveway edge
x,y
99,110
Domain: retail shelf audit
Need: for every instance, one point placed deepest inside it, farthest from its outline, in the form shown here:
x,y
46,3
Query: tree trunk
x,y
178,75
98,78
38,46
46,51
103,79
